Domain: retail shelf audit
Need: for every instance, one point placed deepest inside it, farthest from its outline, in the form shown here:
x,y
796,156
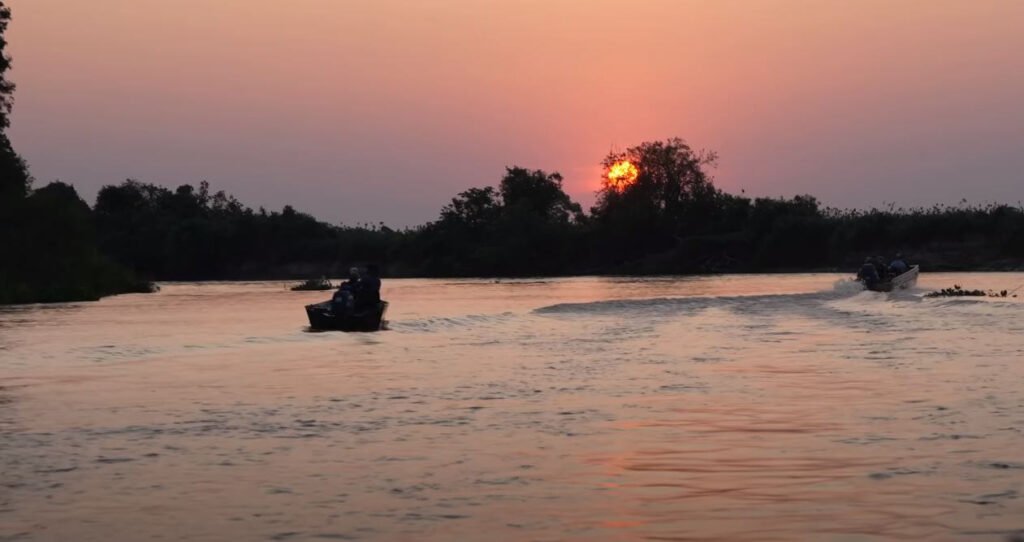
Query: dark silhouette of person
x,y
868,272
899,265
881,268
368,291
344,298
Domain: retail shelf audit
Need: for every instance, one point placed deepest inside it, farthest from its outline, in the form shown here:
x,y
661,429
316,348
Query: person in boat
x,y
881,268
343,300
868,272
367,295
898,265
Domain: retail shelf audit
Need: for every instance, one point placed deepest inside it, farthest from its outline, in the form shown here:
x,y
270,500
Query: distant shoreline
x,y
290,280
138,233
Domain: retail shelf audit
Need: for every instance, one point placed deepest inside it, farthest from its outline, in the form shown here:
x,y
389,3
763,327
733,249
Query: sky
x,y
383,110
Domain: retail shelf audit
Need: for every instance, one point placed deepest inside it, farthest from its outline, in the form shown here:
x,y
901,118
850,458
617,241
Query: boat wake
x,y
848,286
438,324
681,305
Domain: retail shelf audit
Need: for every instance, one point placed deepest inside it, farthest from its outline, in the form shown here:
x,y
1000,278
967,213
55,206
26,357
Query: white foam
x,y
848,286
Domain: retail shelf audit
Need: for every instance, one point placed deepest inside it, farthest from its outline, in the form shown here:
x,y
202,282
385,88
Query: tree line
x,y
48,249
669,219
658,212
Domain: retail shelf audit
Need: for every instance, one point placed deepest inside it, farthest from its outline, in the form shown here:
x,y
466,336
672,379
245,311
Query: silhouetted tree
x,y
14,177
538,193
190,234
790,234
474,208
524,227
670,177
671,197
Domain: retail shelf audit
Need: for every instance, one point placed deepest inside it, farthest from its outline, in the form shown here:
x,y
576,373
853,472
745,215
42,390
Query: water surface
x,y
741,407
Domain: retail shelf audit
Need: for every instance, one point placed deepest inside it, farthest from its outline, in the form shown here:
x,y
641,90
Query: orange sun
x,y
621,174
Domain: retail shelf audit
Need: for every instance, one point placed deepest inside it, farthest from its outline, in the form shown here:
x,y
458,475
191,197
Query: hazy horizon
x,y
364,113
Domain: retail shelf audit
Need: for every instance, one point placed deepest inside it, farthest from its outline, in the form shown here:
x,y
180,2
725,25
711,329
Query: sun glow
x,y
621,174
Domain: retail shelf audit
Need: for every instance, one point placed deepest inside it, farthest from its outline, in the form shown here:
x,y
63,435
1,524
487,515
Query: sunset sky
x,y
382,110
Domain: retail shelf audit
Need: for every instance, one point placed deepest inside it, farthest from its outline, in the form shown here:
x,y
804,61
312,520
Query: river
x,y
750,407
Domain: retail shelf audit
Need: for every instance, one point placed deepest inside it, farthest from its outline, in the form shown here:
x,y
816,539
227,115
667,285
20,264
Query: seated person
x,y
868,272
898,266
367,295
343,299
881,268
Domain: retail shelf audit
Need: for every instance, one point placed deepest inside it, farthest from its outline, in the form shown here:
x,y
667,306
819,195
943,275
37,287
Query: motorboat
x,y
907,279
323,318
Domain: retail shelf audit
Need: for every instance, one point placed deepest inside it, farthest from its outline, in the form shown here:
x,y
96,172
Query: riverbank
x,y
11,295
76,287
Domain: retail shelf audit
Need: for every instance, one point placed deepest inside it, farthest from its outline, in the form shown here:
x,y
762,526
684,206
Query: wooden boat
x,y
322,318
313,285
908,279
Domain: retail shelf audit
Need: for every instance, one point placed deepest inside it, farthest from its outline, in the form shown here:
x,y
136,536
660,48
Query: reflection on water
x,y
743,407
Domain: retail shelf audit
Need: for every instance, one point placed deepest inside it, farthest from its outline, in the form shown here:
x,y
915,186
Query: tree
x,y
670,197
14,178
669,175
6,87
538,193
474,208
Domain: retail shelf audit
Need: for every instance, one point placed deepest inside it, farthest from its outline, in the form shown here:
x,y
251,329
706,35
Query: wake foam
x,y
450,322
677,305
848,287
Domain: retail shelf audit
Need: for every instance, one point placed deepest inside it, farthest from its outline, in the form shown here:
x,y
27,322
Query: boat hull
x,y
899,282
322,318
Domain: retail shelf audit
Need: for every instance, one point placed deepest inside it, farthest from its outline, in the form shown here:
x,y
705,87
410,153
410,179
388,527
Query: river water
x,y
751,407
